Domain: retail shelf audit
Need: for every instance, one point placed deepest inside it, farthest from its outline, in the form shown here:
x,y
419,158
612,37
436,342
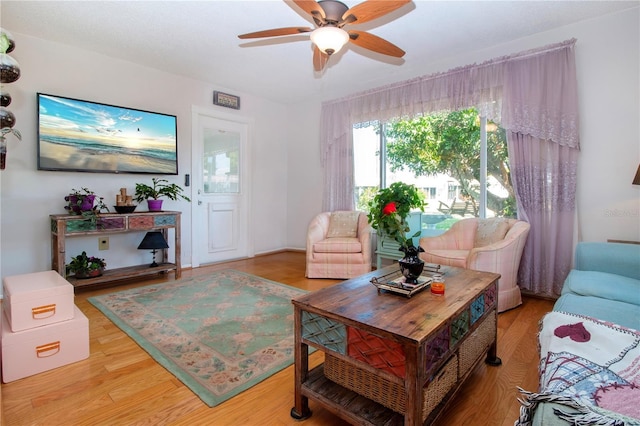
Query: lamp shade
x,y
636,180
154,240
329,39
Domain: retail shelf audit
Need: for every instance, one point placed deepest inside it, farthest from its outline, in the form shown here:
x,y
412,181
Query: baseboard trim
x,y
283,250
538,296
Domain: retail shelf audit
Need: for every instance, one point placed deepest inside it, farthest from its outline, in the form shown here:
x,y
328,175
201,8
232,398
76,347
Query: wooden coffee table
x,y
389,359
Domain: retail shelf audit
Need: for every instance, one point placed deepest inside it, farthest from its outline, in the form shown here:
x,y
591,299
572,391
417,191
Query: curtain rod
x,y
498,60
528,53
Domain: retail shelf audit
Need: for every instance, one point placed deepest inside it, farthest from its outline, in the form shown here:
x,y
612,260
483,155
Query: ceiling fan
x,y
330,16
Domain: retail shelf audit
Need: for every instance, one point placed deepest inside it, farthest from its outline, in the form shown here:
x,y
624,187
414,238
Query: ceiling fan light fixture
x,y
329,39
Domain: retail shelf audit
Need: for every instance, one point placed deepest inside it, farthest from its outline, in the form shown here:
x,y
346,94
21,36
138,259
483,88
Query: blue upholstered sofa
x,y
604,284
600,294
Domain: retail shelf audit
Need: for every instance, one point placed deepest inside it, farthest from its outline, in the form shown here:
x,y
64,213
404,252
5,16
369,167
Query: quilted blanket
x,y
589,366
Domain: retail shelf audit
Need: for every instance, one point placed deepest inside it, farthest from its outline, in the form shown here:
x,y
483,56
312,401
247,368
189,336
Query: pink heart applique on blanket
x,y
576,332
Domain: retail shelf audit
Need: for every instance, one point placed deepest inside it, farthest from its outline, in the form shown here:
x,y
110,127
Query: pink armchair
x,y
338,247
492,245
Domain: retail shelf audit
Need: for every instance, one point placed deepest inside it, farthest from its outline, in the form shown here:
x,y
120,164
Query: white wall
x,y
28,196
608,61
305,173
608,67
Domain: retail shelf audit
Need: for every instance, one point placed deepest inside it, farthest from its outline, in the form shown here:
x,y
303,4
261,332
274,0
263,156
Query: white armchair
x,y
338,245
492,245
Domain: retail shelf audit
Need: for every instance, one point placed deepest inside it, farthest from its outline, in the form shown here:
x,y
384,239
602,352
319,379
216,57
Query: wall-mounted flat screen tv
x,y
82,136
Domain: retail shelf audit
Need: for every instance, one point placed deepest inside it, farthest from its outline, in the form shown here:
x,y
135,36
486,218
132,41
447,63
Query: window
x,y
440,153
430,193
452,191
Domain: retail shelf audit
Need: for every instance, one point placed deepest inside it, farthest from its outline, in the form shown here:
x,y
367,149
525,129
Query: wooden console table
x,y
64,226
389,359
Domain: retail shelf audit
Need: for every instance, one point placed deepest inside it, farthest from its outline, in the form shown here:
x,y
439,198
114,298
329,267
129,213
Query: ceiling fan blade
x,y
375,43
372,9
276,32
320,59
311,7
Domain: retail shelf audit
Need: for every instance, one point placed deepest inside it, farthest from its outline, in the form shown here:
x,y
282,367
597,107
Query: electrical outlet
x,y
103,243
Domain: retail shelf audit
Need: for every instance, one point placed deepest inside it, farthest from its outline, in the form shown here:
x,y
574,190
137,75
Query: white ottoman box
x,y
37,299
39,349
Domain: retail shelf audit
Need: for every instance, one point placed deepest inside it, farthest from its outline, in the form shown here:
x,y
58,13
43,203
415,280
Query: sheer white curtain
x,y
336,153
532,94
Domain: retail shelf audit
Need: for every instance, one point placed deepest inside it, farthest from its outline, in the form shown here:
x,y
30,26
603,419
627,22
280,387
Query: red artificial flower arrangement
x,y
389,208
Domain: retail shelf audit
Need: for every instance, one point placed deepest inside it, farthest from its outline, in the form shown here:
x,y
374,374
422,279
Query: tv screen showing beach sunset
x,y
76,135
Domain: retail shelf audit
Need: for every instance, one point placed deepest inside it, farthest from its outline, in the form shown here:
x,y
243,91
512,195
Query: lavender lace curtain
x,y
544,180
541,115
533,95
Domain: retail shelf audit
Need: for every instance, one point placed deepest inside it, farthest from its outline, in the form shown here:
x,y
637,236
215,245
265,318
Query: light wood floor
x,y
119,384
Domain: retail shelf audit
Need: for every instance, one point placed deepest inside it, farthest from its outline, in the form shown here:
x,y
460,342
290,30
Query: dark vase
x,y
7,119
5,99
411,265
9,69
3,154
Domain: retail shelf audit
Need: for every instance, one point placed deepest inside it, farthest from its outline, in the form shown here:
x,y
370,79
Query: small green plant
x,y
159,188
83,265
389,209
9,131
4,42
3,143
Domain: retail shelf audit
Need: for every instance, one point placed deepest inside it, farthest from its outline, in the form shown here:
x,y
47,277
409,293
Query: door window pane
x,y
220,161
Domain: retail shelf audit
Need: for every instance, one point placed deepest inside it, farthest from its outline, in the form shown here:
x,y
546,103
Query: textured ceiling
x,y
198,39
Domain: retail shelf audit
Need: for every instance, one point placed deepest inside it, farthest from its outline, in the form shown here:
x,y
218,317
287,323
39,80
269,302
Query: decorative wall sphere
x,y
5,99
12,42
7,119
9,69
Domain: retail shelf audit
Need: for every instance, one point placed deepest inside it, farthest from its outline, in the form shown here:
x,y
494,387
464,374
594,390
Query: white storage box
x,y
39,349
37,299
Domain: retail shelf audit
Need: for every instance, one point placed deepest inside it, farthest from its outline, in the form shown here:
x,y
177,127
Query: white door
x,y
220,178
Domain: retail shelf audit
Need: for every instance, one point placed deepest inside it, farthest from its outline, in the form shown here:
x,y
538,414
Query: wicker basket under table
x,y
391,394
388,393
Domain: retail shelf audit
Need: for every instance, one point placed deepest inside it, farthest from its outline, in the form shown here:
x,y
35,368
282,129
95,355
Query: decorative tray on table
x,y
395,282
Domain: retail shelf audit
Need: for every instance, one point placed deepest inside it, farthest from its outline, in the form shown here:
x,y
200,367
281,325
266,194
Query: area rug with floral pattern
x,y
219,334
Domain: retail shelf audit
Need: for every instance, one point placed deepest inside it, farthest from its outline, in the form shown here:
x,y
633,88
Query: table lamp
x,y
153,241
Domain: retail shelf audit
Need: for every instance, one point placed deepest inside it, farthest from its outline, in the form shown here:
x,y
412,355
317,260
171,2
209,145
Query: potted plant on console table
x,y
153,193
86,203
84,266
388,212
